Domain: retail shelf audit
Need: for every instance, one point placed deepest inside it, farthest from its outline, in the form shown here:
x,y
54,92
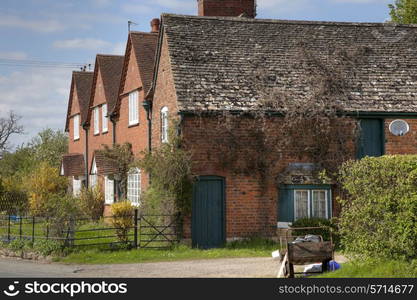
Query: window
x,y
96,113
76,186
76,121
93,175
133,108
104,118
164,124
133,186
301,204
108,190
319,204
304,201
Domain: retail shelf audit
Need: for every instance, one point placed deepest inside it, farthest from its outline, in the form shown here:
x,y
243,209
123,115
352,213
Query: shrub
x,y
47,247
379,213
92,202
17,245
42,184
317,222
13,202
122,220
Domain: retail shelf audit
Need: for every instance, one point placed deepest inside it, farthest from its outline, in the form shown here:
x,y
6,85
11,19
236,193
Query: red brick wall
x,y
95,142
78,145
231,8
137,135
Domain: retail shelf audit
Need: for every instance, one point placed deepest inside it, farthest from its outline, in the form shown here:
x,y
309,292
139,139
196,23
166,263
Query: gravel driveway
x,y
230,267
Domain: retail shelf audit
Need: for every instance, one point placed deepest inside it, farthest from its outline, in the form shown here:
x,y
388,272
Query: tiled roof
x,y
73,165
105,166
214,60
82,81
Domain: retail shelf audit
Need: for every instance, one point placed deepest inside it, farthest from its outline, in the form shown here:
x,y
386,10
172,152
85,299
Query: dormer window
x,y
133,108
104,118
96,114
164,124
76,121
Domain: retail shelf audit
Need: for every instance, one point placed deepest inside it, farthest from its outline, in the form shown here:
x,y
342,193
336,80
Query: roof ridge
x,y
295,22
109,55
143,32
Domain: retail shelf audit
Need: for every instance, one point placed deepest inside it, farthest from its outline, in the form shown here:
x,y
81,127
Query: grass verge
x,y
247,248
375,269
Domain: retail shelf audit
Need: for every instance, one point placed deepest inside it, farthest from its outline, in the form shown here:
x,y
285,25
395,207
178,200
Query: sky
x,y
42,41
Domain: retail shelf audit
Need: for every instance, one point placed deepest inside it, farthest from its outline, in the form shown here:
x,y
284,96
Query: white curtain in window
x,y
104,118
134,186
319,203
164,124
301,209
96,113
76,121
133,108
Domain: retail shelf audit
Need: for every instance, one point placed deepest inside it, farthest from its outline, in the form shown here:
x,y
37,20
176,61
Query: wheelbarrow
x,y
302,253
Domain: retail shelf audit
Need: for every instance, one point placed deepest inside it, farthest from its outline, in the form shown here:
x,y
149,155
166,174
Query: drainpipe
x,y
148,107
113,121
87,184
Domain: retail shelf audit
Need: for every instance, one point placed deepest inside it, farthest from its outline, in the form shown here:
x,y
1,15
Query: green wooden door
x,y
208,230
371,141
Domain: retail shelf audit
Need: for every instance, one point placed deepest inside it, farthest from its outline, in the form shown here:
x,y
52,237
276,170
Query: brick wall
x,y
76,146
406,144
231,8
251,203
137,135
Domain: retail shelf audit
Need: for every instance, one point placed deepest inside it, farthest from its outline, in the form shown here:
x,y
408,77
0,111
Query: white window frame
x,y
104,119
133,108
325,203
134,181
108,190
308,203
76,121
96,115
164,124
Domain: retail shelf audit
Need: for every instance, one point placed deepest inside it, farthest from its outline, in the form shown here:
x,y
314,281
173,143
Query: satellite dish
x,y
399,127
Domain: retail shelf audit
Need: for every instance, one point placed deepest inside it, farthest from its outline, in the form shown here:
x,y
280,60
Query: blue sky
x,y
73,31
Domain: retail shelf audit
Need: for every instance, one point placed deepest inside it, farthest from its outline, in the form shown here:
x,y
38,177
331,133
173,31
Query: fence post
x,y
8,230
135,243
47,228
20,227
33,229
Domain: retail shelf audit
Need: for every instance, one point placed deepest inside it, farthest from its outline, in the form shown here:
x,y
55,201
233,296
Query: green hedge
x,y
379,212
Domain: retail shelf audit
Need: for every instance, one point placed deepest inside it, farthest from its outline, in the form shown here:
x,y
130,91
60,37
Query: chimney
x,y
227,8
155,25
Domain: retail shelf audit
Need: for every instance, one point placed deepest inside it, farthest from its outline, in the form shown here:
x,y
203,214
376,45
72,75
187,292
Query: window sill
x,y
76,140
133,125
105,132
95,134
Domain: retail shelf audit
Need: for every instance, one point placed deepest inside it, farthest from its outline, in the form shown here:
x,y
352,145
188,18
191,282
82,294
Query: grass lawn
x,y
250,248
375,269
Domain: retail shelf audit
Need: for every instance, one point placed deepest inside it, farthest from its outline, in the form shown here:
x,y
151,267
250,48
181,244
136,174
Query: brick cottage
x,y
203,71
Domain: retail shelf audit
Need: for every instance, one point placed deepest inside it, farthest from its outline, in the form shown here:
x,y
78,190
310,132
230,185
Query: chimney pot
x,y
155,25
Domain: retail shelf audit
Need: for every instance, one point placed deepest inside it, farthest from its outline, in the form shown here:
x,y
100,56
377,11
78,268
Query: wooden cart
x,y
305,252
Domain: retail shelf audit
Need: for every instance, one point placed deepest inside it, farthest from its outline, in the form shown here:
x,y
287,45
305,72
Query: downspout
x,y
87,183
148,107
113,121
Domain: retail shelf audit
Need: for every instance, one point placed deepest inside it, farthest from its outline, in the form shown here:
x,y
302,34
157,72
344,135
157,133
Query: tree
x,y
49,146
122,158
404,11
8,127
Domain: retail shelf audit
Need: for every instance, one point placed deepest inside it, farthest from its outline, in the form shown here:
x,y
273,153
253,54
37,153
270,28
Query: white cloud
x,y
82,43
13,55
119,48
44,25
38,95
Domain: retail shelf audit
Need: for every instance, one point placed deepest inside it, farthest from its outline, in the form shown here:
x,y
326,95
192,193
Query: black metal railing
x,y
146,231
